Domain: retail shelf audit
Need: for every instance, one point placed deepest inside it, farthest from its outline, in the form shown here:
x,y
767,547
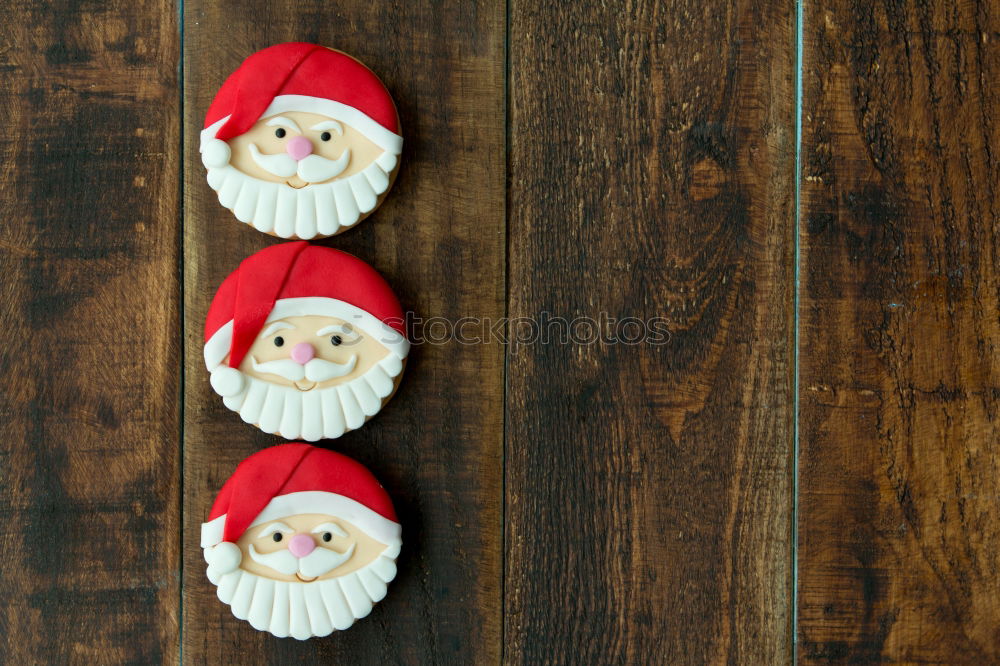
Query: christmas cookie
x,y
301,541
305,341
301,141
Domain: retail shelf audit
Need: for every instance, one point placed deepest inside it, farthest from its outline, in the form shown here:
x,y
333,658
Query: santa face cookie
x,y
301,141
301,541
305,341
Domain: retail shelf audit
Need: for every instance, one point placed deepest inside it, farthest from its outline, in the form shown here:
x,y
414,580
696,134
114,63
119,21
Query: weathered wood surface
x,y
89,298
628,160
648,505
439,240
900,465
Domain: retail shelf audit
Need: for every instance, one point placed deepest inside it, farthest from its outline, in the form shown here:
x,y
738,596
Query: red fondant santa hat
x,y
298,279
309,78
292,479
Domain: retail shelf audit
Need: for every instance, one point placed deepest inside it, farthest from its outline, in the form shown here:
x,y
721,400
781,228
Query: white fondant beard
x,y
320,209
304,610
320,413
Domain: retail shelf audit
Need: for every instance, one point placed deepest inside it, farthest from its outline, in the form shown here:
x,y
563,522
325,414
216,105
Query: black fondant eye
x,y
326,136
277,536
327,536
279,341
336,340
280,132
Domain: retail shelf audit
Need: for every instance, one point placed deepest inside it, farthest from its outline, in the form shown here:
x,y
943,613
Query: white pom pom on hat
x,y
224,557
215,153
227,381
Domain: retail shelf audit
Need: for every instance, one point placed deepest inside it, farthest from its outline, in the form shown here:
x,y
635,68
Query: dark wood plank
x,y
900,466
439,240
648,486
89,191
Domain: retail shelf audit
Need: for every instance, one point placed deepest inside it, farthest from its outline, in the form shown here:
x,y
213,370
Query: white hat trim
x,y
379,135
218,345
314,501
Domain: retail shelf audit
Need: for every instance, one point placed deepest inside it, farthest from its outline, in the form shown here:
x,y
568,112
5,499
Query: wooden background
x,y
808,471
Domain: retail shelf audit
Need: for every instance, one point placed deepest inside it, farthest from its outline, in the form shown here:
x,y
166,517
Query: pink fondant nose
x,y
302,353
299,147
301,545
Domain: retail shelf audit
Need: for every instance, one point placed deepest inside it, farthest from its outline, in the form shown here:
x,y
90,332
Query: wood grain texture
x,y
639,508
439,240
648,486
900,466
89,297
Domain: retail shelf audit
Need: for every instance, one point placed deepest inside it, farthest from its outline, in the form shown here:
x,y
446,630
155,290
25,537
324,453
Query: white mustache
x,y
316,168
312,169
316,370
316,563
320,370
280,164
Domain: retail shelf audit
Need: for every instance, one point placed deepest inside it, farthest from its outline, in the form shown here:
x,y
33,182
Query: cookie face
x,y
301,149
305,341
301,541
312,352
307,547
306,154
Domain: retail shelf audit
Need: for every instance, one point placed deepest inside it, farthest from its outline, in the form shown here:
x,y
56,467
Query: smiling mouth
x,y
305,580
295,187
310,387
